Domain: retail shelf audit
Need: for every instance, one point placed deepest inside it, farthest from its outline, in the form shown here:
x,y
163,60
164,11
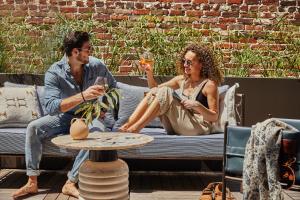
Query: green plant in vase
x,y
92,109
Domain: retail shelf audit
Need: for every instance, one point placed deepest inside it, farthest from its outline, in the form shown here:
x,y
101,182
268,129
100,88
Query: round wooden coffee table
x,y
104,175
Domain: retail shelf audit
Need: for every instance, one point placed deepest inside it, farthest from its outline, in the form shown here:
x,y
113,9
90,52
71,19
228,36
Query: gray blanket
x,y
260,169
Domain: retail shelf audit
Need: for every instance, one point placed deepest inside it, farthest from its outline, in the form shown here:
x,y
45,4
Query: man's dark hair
x,y
74,40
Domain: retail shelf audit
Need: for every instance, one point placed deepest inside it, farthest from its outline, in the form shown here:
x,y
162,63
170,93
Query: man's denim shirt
x,y
60,84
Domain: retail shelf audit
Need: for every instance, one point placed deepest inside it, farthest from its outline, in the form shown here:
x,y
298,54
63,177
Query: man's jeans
x,y
49,126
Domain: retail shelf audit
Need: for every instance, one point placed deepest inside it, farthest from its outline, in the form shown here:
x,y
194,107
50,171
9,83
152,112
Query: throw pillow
x,y
131,96
18,106
40,94
226,109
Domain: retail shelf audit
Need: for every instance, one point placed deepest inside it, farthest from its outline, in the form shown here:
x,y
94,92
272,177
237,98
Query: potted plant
x,y
91,110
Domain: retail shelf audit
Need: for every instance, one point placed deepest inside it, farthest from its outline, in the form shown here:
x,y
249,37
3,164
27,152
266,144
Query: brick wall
x,y
204,15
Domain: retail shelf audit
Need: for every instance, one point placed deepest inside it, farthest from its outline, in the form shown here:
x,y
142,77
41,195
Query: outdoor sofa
x,y
164,146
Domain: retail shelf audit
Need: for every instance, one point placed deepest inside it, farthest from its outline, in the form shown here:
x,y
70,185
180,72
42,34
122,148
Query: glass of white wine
x,y
100,80
146,59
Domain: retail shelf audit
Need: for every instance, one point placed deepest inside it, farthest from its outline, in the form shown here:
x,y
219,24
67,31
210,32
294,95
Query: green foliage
x,y
26,48
164,45
91,110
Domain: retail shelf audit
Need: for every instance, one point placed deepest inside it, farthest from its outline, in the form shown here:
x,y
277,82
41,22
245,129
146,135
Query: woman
x,y
198,90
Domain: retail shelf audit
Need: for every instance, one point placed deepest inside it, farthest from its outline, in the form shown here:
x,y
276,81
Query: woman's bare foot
x,y
133,129
29,188
70,189
124,127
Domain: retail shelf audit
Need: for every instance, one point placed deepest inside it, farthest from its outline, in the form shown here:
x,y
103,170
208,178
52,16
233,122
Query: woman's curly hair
x,y
204,55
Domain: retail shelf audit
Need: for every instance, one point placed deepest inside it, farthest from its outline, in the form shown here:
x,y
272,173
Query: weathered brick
x,y
197,26
176,12
247,21
4,13
212,13
176,6
68,9
230,14
227,20
119,17
139,5
125,68
187,6
193,13
199,1
292,9
120,5
296,22
267,15
99,4
248,40
20,13
236,27
104,36
35,20
19,1
101,17
38,14
206,7
85,9
140,12
252,1
182,1
80,3
217,1
288,3
6,7
159,12
270,2
49,20
218,26
244,8
263,8
90,3
253,8
234,1
248,15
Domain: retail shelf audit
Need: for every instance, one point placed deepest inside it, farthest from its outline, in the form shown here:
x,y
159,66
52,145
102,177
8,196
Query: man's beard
x,y
82,60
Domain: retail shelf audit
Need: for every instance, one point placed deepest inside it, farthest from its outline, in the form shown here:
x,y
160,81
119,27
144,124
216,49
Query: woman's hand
x,y
148,68
189,104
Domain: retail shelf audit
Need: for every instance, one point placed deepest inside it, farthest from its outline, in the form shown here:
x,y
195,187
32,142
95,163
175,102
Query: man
x,y
68,83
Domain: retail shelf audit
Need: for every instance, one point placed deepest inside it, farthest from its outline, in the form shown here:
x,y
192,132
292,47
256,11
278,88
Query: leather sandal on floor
x,y
218,193
208,192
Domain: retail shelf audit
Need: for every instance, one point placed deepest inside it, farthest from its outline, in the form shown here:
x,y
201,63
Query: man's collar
x,y
64,61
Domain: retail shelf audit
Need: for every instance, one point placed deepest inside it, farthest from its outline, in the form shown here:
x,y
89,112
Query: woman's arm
x,y
211,114
173,83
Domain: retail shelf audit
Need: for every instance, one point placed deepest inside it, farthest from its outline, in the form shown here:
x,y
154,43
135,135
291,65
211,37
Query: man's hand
x,y
189,104
93,92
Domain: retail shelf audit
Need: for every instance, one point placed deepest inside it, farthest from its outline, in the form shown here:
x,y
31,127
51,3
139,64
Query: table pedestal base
x,y
103,177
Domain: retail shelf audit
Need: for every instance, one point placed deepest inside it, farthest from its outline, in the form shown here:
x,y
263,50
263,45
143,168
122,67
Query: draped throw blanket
x,y
261,169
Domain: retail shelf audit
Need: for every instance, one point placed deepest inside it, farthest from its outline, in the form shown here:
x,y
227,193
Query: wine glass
x,y
100,80
146,59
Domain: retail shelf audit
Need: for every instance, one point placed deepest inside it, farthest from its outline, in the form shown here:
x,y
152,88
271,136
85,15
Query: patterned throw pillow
x,y
18,106
40,94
